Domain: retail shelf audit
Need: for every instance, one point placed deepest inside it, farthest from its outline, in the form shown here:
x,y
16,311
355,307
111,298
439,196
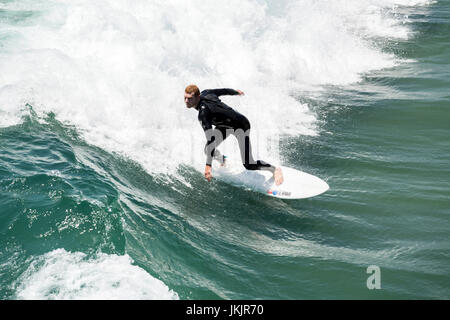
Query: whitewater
x,y
102,162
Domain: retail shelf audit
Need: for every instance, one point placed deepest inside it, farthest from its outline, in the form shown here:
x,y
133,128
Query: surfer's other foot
x,y
278,176
224,161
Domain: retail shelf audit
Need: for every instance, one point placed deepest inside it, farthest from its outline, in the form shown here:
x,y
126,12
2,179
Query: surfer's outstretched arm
x,y
223,92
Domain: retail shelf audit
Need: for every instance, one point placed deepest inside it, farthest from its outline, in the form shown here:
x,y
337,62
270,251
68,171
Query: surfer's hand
x,y
241,93
208,175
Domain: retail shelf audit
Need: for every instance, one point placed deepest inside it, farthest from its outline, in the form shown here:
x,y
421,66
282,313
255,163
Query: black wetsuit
x,y
213,112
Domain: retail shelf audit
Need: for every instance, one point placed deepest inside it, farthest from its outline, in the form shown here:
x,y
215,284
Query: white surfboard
x,y
296,184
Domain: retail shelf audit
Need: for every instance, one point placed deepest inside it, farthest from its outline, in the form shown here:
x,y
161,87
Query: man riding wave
x,y
213,112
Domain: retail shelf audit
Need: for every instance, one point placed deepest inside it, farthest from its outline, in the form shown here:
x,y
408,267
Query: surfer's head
x,y
191,96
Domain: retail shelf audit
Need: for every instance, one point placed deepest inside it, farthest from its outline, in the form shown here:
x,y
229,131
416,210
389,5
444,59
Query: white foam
x,y
117,69
63,275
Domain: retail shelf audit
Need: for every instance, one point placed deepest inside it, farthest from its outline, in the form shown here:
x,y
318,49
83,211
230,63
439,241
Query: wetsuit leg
x,y
243,136
248,161
218,136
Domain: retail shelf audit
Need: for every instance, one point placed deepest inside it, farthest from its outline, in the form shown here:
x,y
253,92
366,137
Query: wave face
x,y
117,71
101,163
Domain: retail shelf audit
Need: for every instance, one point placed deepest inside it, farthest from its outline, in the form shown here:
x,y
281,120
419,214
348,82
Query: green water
x,y
382,147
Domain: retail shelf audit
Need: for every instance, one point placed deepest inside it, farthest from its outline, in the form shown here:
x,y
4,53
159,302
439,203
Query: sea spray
x,y
74,275
117,70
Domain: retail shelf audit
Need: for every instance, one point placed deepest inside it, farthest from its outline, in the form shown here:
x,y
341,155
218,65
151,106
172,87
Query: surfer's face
x,y
191,99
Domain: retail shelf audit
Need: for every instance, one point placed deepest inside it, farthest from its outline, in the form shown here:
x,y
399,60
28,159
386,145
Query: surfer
x,y
212,111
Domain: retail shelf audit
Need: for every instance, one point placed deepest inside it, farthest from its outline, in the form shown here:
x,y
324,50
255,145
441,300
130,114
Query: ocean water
x,y
102,194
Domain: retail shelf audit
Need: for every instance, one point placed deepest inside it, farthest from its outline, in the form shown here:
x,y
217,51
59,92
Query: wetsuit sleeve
x,y
220,92
204,116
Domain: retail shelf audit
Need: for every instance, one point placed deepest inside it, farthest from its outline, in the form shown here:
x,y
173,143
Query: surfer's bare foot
x,y
278,176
